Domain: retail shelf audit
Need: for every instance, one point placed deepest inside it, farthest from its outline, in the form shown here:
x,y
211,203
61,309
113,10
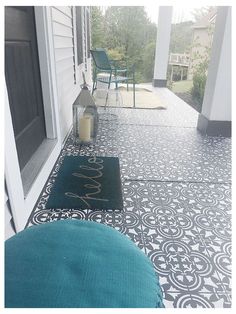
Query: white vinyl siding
x,y
65,10
68,72
63,54
64,46
60,15
65,43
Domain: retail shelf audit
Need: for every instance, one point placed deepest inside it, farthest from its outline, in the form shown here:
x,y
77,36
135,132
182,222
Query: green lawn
x,y
182,86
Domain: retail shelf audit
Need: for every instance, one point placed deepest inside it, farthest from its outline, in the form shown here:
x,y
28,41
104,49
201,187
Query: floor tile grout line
x,y
159,126
172,237
208,254
140,215
176,181
142,226
189,291
142,230
210,293
216,270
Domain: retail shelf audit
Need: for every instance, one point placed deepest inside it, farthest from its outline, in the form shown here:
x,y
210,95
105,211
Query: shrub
x,y
148,60
115,54
199,83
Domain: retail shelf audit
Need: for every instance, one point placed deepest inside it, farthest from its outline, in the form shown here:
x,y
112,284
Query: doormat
x,y
87,183
144,98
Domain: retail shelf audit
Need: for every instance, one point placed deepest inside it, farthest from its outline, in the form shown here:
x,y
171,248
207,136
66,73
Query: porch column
x,y
162,46
215,118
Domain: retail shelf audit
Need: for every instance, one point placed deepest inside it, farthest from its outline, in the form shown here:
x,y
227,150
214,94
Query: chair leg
x,y
134,88
134,94
109,84
106,100
94,82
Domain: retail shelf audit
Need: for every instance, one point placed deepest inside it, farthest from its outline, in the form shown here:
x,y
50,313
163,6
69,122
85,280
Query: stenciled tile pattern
x,y
177,114
177,205
164,153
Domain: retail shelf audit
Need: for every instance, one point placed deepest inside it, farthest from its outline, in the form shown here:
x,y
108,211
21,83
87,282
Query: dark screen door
x,y
23,81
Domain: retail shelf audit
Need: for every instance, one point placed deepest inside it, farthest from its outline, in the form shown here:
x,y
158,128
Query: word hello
x,y
94,187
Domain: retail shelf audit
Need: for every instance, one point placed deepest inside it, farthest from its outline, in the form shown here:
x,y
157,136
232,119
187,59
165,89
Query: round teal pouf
x,y
74,264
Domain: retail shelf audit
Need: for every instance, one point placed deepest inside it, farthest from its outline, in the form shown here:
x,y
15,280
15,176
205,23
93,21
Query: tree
x,y
181,37
128,30
148,61
201,12
125,31
97,25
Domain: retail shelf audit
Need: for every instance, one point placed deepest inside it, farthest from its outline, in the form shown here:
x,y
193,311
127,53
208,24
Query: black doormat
x,y
87,182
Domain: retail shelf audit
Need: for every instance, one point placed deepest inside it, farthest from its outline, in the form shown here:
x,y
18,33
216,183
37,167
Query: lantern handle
x,y
84,85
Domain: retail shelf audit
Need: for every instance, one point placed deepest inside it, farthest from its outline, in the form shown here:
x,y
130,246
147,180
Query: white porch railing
x,y
179,59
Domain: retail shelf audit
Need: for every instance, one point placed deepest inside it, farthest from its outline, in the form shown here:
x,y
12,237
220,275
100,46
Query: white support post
x,y
215,118
162,46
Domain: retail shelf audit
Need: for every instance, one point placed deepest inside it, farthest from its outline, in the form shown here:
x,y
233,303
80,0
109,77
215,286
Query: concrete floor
x,y
177,197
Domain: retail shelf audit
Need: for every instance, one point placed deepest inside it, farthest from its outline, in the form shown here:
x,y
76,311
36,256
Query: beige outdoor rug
x,y
144,98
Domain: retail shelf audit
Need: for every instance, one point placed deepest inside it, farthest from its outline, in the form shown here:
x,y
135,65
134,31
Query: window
x,y
79,31
88,33
85,39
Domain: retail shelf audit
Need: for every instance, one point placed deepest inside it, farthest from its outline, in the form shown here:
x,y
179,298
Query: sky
x,y
180,14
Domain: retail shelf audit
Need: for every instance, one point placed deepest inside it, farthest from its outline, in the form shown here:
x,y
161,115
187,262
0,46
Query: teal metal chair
x,y
109,71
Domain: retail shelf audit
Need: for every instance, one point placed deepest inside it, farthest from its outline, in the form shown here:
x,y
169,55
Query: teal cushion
x,y
75,263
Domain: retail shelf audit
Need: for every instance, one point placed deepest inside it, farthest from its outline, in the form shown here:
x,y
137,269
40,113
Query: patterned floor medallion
x,y
177,200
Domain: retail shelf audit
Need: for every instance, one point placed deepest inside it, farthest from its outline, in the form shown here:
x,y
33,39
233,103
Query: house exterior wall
x,y
62,77
202,38
68,72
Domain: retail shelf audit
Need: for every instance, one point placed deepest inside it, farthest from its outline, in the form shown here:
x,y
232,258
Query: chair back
x,y
100,59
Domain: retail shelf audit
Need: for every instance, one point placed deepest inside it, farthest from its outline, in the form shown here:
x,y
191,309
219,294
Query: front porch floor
x,y
177,198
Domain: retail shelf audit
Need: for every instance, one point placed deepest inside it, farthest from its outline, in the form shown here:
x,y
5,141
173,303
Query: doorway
x,y
23,81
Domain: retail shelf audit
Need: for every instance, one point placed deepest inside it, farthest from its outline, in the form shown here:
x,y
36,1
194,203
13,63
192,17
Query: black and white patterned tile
x,y
164,153
170,117
197,300
188,256
184,227
178,113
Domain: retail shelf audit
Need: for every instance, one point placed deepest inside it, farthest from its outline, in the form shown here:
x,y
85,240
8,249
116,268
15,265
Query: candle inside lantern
x,y
85,128
91,123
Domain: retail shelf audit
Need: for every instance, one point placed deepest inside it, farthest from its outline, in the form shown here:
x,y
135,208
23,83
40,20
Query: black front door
x,y
23,81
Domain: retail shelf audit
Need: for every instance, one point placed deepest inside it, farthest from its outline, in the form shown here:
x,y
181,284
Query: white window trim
x,y
43,21
22,207
84,38
89,60
75,44
12,169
